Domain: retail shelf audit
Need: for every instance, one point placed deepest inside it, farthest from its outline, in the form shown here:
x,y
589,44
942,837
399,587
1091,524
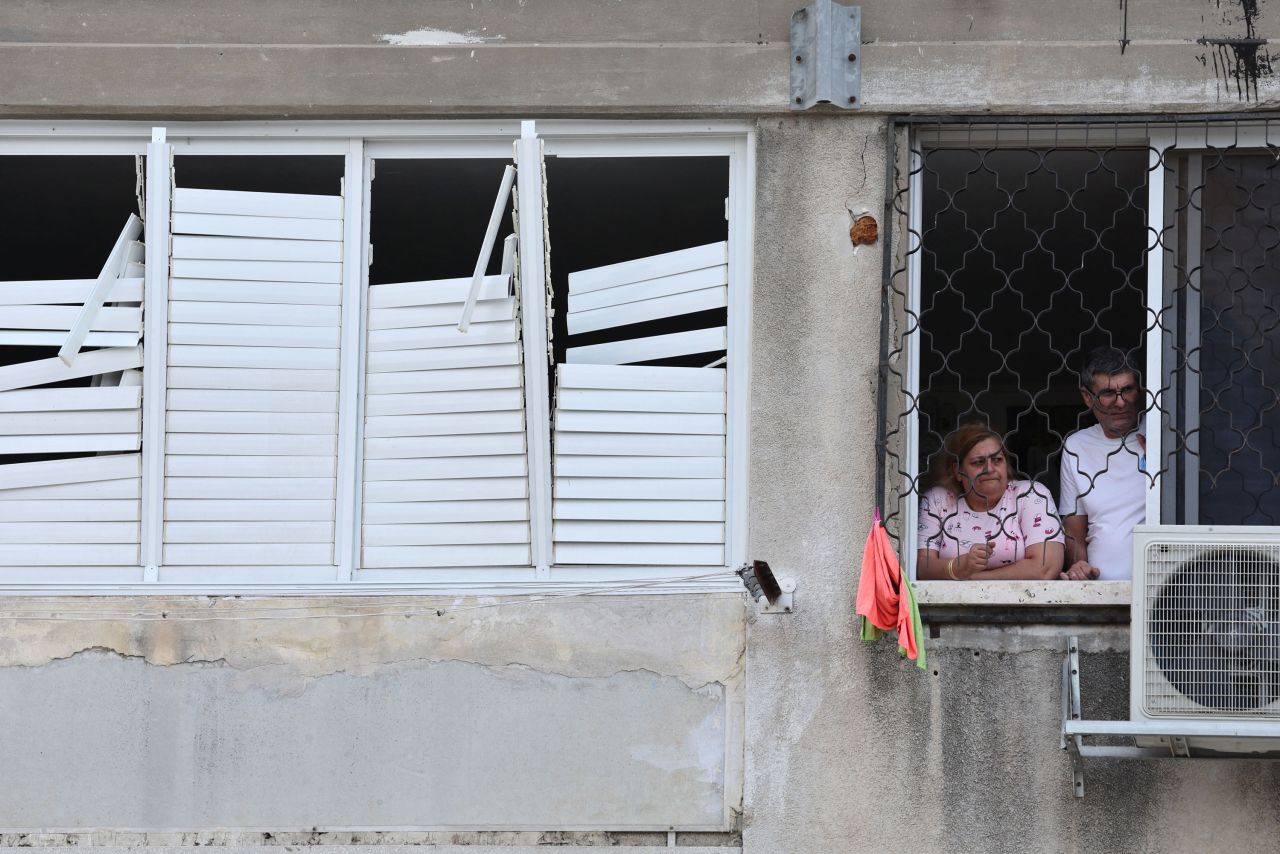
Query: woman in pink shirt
x,y
976,523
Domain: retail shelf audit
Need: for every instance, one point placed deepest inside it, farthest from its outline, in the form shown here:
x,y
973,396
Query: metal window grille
x,y
1017,246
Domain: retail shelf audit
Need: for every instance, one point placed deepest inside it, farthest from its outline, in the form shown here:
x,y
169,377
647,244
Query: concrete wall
x,y
401,58
626,712
622,713
848,746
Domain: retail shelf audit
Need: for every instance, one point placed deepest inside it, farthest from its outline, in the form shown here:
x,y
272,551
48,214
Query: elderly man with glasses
x,y
1104,481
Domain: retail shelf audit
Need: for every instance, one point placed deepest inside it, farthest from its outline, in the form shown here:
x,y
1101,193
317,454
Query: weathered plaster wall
x,y
850,748
609,713
401,58
605,712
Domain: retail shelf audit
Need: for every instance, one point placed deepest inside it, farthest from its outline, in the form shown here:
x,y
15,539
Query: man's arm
x,y
1076,530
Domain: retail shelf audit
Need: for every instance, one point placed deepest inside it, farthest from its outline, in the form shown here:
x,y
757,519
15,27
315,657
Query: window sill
x,y
1023,601
1028,593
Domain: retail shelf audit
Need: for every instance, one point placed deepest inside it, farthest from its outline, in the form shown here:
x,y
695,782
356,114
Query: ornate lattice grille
x,y
1017,247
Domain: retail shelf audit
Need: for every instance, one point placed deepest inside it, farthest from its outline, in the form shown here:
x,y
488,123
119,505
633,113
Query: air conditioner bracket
x,y
1175,734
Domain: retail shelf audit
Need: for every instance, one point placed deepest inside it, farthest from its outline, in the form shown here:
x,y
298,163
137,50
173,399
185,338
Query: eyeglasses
x,y
1108,396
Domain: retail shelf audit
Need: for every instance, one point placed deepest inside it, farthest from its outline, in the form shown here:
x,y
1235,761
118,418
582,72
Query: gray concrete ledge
x,y
1022,593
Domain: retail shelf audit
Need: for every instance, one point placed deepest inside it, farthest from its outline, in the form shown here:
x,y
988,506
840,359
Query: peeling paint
x,y
429,37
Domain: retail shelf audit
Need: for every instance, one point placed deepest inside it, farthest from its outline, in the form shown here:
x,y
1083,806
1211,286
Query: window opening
x,y
70,429
427,218
446,471
312,174
640,268
1023,247
1031,258
605,211
1223,350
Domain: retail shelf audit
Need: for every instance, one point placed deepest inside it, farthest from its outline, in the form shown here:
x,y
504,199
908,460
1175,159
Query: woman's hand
x,y
975,561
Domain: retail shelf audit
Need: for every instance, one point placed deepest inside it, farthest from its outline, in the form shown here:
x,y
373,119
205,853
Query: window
x,y
273,388
1022,247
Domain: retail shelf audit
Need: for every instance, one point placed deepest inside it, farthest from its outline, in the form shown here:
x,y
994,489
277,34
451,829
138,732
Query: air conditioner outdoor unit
x,y
1205,638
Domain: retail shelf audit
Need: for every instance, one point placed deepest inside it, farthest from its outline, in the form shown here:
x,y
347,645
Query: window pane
x,y
1240,342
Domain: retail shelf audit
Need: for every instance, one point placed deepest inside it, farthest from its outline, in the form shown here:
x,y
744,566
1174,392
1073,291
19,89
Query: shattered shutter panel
x,y
446,470
252,406
81,510
639,458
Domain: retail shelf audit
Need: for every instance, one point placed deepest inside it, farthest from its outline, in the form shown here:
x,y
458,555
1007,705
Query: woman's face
x,y
984,471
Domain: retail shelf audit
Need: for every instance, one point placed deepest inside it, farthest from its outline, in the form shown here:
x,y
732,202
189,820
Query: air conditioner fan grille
x,y
1213,630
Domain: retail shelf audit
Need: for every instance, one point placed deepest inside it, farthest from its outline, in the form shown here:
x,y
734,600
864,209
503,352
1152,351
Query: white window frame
x,y
359,143
1161,140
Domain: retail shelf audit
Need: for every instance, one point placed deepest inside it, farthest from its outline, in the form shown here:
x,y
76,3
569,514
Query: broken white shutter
x,y
81,510
446,479
252,401
639,464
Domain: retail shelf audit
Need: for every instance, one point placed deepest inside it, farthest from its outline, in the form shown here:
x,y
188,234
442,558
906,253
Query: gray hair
x,y
1108,360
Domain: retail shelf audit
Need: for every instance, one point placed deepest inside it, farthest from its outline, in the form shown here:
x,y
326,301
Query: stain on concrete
x,y
1239,62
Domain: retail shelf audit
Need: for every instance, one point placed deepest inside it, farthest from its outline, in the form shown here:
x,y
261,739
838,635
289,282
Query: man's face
x,y
1114,400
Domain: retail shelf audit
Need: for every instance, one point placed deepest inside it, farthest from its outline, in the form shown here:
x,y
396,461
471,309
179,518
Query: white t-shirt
x,y
1024,516
1105,480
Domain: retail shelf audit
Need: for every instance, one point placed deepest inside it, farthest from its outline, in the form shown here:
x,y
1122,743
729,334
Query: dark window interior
x,y
1237,433
307,174
1030,259
60,216
428,217
607,210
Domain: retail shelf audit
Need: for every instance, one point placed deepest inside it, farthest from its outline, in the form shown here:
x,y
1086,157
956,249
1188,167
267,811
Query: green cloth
x,y
868,632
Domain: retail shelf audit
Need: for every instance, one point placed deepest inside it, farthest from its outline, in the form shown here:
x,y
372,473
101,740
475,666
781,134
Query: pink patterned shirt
x,y
1025,516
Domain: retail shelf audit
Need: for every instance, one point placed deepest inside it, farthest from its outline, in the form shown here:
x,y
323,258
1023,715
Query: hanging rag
x,y
885,600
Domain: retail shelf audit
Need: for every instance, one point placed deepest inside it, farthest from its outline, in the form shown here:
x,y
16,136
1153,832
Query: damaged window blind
x,y
445,473
639,449
82,507
252,407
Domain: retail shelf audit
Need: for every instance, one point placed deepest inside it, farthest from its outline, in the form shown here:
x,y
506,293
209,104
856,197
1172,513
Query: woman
x,y
976,523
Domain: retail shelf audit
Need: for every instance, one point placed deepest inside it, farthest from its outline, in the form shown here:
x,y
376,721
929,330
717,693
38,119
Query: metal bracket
x,y
826,38
1073,744
1175,736
785,603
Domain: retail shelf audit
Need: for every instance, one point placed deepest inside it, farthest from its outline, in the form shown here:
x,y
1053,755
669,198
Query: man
x,y
1104,480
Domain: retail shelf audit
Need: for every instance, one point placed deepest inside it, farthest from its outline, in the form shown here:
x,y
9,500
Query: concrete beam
x,y
374,22
278,81
402,82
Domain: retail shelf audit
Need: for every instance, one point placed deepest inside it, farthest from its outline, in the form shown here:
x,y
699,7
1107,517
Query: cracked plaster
x,y
599,637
